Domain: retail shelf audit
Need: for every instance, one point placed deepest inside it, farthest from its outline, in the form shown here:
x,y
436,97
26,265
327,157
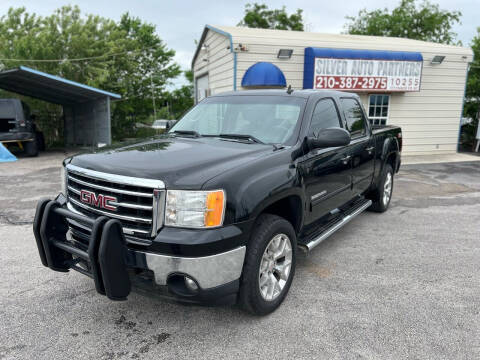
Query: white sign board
x,y
367,75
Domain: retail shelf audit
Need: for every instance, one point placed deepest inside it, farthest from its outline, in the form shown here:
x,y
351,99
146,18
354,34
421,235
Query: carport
x,y
86,109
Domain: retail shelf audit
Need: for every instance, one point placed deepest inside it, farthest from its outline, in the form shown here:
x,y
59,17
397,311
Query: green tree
x,y
126,57
260,16
425,21
472,96
140,76
181,99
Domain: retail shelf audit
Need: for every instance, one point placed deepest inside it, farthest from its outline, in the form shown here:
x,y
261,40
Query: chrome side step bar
x,y
310,245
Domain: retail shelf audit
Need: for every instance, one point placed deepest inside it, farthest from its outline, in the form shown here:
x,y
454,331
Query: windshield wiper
x,y
241,137
186,132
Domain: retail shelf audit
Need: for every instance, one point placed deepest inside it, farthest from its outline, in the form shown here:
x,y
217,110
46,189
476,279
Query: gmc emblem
x,y
99,201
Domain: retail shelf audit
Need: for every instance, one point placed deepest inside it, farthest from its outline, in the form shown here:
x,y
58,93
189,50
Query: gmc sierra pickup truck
x,y
215,210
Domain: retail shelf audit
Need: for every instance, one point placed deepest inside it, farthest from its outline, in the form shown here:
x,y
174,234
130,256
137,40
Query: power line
x,y
79,59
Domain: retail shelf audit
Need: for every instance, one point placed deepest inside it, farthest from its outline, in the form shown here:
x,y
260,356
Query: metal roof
x,y
253,36
47,87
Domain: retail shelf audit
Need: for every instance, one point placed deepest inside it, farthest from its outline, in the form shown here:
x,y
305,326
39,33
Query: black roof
x,y
51,88
303,93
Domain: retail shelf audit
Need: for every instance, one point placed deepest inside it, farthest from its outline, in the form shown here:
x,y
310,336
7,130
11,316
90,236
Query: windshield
x,y
270,119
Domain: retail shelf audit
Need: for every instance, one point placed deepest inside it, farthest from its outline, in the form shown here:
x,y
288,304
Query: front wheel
x,y
269,265
383,194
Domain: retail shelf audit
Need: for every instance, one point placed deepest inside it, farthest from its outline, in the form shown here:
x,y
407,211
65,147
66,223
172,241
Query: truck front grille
x,y
137,203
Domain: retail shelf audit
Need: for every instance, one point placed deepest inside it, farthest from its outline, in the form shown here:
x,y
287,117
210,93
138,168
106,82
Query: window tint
x,y
324,116
354,117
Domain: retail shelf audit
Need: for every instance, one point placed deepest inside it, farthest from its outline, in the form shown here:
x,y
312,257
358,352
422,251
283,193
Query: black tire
x,y
40,141
379,204
31,147
250,297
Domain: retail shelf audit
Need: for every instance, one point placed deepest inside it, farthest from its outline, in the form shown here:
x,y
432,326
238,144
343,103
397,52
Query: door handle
x,y
346,159
370,149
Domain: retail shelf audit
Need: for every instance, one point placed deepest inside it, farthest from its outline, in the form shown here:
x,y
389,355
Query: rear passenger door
x,y
362,145
327,172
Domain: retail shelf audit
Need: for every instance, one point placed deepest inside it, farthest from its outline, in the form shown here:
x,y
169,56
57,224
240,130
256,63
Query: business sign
x,y
362,70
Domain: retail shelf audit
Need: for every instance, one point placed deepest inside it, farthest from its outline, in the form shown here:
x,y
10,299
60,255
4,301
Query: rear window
x,y
7,110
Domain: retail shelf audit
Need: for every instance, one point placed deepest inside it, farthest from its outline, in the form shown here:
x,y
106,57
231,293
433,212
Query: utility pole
x,y
477,134
153,99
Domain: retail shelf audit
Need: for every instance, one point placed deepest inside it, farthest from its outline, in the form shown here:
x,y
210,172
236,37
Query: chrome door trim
x,y
317,195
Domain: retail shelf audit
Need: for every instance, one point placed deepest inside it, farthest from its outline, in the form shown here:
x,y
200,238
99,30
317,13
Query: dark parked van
x,y
17,126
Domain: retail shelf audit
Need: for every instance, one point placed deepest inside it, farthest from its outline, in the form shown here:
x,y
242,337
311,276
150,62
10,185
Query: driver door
x,y
327,172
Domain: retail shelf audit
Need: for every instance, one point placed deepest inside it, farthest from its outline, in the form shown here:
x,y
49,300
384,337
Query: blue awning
x,y
363,54
264,74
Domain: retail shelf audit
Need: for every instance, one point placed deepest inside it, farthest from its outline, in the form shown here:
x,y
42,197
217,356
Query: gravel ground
x,y
404,284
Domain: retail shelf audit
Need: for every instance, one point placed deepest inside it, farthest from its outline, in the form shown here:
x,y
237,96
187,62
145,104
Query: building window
x,y
378,109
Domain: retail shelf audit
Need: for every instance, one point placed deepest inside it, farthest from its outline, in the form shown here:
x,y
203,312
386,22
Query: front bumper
x,y
207,271
16,136
115,267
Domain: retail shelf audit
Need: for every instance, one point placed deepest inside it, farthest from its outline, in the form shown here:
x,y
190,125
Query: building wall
x,y
430,118
217,61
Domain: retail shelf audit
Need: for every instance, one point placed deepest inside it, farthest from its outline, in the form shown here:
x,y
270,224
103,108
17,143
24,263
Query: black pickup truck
x,y
215,210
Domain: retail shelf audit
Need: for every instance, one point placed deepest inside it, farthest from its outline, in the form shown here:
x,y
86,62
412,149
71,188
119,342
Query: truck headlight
x,y
196,209
63,180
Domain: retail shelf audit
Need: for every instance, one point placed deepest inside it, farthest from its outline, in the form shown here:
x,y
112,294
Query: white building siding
x,y
429,118
216,60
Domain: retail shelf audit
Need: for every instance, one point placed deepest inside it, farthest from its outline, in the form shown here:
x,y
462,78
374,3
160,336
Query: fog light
x,y
191,284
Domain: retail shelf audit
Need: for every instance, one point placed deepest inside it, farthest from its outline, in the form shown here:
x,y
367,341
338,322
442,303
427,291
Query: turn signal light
x,y
214,209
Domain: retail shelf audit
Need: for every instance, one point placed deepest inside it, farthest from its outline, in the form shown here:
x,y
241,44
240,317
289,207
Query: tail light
x,y
400,141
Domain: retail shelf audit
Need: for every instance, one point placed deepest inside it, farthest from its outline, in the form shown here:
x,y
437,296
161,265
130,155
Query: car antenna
x,y
289,90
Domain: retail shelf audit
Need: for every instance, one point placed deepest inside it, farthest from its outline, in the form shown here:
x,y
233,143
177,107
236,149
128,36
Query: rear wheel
x,y
31,147
269,265
383,194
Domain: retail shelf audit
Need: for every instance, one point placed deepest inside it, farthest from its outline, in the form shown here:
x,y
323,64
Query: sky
x,y
179,23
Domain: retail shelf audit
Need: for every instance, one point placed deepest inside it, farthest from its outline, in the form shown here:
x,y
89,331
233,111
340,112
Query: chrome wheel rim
x,y
275,267
387,189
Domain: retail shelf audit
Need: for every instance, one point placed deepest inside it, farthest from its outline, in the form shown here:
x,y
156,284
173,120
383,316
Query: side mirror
x,y
330,137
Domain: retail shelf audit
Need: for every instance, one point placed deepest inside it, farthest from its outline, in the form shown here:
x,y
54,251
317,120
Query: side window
x,y
354,117
324,116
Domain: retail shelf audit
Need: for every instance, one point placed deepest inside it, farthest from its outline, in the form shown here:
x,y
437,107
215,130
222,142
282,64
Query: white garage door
x,y
202,87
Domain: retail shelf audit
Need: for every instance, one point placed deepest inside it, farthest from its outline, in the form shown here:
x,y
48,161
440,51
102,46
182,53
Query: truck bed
x,y
376,129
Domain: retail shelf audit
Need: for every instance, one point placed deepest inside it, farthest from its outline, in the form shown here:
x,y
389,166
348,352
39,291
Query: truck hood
x,y
185,163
